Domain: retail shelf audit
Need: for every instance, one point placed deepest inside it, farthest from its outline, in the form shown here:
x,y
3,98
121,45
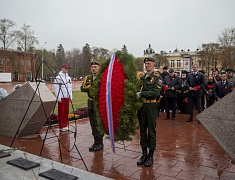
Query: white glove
x,y
138,94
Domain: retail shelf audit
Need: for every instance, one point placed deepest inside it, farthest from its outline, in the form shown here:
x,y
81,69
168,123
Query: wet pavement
x,y
185,150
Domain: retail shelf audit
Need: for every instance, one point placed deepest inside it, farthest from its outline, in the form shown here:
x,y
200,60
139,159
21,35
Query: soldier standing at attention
x,y
151,85
86,85
196,83
223,87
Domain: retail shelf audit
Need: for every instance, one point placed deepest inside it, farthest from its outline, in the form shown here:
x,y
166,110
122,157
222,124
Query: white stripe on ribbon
x,y
109,101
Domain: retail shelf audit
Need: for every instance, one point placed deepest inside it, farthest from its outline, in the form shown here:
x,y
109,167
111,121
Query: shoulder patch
x,y
160,82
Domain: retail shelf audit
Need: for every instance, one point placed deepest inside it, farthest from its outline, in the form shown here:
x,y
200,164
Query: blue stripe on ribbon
x,y
109,101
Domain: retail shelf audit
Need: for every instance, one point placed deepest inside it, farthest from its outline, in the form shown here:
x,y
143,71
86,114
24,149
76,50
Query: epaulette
x,y
156,74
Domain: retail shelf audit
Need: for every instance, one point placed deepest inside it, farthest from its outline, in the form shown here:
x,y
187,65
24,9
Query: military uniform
x,y
150,90
98,139
222,89
147,115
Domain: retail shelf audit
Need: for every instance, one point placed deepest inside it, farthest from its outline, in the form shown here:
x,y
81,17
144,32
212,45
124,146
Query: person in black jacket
x,y
170,85
223,87
209,90
195,82
183,95
162,101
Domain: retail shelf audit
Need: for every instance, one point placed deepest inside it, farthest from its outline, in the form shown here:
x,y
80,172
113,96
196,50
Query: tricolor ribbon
x,y
109,102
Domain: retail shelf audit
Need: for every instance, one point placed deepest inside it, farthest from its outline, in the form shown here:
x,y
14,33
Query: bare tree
x,y
227,41
210,55
7,37
26,41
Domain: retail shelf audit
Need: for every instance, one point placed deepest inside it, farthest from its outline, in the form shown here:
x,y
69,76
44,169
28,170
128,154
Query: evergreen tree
x,y
60,56
86,59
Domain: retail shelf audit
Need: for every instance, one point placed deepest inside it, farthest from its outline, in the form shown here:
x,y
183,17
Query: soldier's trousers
x,y
93,122
147,116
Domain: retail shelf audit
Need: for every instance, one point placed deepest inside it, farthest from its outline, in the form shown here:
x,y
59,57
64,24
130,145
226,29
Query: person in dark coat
x,y
162,101
230,76
170,85
216,74
223,87
183,95
196,83
209,90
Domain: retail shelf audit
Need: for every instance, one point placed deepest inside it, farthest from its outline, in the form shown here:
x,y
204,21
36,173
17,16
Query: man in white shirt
x,y
63,92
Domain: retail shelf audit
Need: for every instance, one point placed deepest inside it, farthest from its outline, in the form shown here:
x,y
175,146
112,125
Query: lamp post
x,y
42,58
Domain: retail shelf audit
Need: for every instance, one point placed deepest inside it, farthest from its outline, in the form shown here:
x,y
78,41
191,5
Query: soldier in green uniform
x,y
86,85
151,84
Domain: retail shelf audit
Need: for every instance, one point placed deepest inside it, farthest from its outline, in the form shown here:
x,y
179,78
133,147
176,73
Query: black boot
x,y
95,144
100,144
143,158
149,160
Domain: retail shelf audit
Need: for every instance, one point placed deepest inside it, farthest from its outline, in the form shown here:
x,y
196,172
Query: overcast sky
x,y
165,24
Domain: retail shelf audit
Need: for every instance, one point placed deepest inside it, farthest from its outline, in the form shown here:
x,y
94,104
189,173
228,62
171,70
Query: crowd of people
x,y
193,90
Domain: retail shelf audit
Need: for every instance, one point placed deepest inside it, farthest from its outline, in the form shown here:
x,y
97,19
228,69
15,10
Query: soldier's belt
x,y
150,101
91,99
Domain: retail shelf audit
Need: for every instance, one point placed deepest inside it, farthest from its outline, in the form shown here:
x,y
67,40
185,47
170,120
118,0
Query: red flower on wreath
x,y
117,93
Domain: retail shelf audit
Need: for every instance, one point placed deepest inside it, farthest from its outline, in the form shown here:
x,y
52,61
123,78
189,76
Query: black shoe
x,y
92,147
198,122
189,120
173,118
149,161
167,118
98,147
142,160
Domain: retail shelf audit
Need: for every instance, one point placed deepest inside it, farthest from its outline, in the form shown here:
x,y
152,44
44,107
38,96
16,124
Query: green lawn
x,y
79,101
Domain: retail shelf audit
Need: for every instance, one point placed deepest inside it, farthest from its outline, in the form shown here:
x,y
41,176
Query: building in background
x,y
21,69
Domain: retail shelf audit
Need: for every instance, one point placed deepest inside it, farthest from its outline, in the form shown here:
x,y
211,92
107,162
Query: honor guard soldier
x,y
223,87
195,83
86,85
151,85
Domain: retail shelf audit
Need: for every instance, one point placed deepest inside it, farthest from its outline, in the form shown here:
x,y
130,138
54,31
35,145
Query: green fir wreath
x,y
127,117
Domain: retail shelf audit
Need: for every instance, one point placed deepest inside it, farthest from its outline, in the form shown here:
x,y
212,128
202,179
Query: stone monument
x,y
219,120
31,104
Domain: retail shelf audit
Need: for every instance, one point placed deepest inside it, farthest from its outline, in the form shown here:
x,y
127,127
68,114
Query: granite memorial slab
x,y
23,163
4,154
31,103
57,175
219,120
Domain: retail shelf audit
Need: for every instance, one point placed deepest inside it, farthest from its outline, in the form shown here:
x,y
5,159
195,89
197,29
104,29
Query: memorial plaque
x,y
23,163
4,154
57,175
219,120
